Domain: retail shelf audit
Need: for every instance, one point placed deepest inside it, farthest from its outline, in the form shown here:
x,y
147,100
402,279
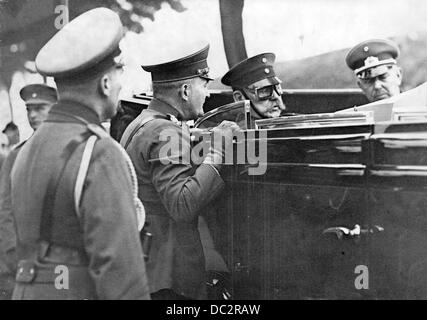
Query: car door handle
x,y
340,232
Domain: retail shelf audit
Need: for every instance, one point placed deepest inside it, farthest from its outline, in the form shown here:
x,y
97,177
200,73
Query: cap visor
x,y
274,80
375,71
38,101
207,78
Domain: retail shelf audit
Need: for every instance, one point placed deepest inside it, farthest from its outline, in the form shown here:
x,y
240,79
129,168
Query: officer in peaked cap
x,y
73,186
375,66
173,190
194,65
11,130
38,98
254,79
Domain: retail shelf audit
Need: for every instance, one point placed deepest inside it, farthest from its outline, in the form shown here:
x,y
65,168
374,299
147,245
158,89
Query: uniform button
x,y
267,70
31,271
307,197
20,270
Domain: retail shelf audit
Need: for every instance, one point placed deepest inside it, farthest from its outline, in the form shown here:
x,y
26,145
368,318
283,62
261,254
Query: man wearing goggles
x,y
374,64
254,79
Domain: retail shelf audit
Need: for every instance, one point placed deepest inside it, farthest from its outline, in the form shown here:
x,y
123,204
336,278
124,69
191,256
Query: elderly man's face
x,y
383,83
266,98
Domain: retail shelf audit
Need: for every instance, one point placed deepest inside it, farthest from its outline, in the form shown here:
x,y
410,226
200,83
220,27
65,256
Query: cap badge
x,y
34,95
369,61
264,60
203,72
366,49
119,60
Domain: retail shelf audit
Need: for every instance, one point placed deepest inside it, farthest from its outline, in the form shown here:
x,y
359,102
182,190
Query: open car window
x,y
238,112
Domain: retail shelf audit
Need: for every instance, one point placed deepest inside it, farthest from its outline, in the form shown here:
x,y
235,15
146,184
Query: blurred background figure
x,y
12,132
39,98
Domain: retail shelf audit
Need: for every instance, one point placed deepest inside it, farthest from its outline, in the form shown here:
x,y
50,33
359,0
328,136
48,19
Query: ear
x,y
399,74
184,91
104,85
238,95
359,84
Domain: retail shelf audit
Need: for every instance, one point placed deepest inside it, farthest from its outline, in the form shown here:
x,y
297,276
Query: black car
x,y
340,211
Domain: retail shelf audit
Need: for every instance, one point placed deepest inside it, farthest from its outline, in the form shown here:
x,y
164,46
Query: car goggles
x,y
267,92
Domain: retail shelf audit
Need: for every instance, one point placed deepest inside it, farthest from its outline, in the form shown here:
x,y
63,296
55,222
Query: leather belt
x,y
52,253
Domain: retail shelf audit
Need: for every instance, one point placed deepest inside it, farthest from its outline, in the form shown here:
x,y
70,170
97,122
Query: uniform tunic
x,y
173,195
7,227
43,181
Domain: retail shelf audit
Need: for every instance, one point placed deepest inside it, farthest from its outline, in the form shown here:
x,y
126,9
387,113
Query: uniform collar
x,y
163,108
72,111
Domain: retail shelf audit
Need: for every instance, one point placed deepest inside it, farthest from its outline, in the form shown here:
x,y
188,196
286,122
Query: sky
x,y
292,29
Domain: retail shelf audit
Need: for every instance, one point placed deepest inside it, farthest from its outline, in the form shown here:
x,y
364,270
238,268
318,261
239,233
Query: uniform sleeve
x,y
183,189
7,225
111,237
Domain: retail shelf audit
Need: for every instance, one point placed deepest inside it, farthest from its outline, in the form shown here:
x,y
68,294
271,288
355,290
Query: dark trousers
x,y
167,294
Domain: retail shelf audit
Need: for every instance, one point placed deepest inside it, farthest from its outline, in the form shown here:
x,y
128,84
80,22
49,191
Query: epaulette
x,y
97,130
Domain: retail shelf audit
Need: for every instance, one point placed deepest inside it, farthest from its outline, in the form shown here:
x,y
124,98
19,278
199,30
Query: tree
x,y
26,25
22,37
232,30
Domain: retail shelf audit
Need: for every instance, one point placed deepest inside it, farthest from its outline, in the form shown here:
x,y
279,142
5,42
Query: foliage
x,y
28,39
129,10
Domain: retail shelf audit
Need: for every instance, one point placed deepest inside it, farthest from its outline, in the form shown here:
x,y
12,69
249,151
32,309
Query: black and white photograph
x,y
229,151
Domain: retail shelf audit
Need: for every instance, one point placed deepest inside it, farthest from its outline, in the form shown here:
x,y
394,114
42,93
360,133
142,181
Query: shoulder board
x,y
126,141
97,130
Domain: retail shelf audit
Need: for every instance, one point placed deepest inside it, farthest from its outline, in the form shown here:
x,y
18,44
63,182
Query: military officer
x,y
12,132
73,187
254,79
175,192
38,98
375,66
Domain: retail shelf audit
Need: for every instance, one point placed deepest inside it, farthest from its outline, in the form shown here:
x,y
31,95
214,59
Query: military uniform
x,y
90,233
375,67
250,71
8,261
32,94
173,194
7,228
370,58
